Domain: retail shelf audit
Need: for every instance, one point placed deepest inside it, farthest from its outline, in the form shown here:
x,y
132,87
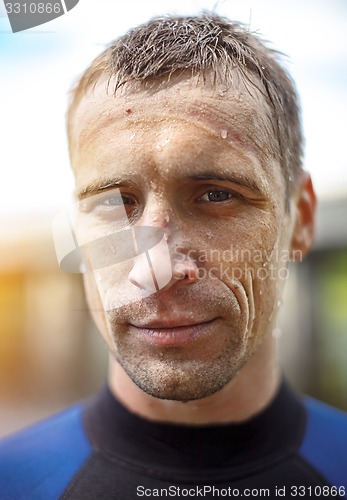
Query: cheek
x,y
250,257
238,246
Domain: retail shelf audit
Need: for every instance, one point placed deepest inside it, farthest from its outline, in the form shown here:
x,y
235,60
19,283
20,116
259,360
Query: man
x,y
186,145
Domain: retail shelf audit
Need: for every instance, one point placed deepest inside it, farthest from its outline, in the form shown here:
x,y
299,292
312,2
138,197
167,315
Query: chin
x,y
181,380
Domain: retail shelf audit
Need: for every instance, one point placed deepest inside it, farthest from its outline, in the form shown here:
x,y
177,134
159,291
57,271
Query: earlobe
x,y
304,207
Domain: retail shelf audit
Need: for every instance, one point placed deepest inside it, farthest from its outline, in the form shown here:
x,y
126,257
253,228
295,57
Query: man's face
x,y
196,162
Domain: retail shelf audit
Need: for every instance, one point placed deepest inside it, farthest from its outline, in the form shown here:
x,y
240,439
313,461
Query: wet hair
x,y
204,44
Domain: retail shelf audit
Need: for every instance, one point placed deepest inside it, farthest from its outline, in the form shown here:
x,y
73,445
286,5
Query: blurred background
x,y
50,353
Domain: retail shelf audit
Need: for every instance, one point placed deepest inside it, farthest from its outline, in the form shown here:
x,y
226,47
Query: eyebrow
x,y
240,180
96,187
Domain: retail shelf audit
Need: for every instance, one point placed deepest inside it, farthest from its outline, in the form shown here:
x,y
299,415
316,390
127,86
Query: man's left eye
x,y
216,196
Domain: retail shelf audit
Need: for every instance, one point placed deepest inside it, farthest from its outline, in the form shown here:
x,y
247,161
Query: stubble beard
x,y
171,375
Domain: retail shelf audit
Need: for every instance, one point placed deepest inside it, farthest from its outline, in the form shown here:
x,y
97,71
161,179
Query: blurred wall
x,y
50,354
313,321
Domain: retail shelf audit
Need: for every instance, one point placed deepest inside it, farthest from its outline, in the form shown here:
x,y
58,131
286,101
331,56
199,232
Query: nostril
x,y
186,270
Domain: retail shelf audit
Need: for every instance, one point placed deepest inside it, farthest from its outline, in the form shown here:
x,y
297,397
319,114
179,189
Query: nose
x,y
159,267
167,263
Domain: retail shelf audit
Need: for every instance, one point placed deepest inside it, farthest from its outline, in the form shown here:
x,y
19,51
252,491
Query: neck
x,y
247,394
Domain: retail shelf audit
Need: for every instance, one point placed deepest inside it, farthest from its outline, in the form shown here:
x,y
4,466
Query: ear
x,y
304,208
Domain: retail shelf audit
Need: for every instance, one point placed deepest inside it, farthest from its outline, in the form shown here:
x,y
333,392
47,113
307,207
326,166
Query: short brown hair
x,y
168,45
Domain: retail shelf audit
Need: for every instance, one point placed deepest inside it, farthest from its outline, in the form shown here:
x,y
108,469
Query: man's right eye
x,y
115,200
106,201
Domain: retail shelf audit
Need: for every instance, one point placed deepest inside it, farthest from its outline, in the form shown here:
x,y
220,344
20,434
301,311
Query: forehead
x,y
235,114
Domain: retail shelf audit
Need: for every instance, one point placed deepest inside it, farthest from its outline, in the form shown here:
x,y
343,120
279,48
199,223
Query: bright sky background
x,y
37,67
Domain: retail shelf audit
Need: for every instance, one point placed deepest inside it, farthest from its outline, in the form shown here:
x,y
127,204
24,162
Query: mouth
x,y
171,333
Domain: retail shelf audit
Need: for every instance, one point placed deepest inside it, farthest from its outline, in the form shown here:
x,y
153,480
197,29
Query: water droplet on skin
x,y
209,235
155,218
261,292
224,134
279,302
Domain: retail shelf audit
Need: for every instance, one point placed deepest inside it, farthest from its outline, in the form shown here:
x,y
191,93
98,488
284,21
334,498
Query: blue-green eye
x,y
216,196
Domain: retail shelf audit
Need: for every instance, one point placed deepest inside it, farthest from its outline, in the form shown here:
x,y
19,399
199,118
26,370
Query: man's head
x,y
195,125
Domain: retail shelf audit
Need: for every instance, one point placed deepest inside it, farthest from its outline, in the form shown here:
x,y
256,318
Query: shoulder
x,y
324,444
40,461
